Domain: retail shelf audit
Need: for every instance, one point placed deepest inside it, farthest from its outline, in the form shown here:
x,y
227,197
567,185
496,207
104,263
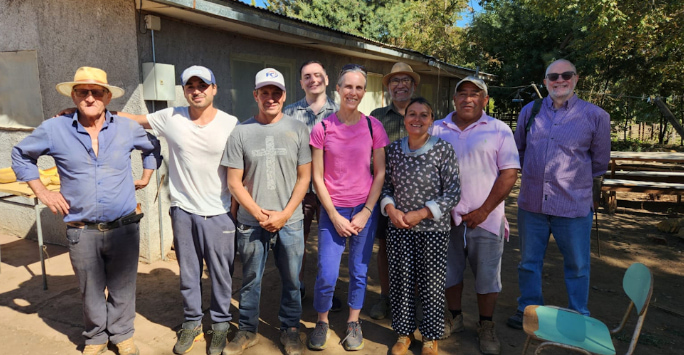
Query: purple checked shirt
x,y
564,149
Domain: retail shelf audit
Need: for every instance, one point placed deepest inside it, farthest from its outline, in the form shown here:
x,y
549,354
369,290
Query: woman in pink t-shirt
x,y
343,145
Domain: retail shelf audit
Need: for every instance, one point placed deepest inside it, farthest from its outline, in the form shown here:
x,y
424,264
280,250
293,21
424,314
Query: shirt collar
x,y
79,127
449,123
566,106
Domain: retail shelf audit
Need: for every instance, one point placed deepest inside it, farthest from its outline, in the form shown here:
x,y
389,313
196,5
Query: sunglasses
x,y
566,75
97,93
350,67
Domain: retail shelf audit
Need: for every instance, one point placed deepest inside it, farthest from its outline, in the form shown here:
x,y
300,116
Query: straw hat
x,y
89,75
401,68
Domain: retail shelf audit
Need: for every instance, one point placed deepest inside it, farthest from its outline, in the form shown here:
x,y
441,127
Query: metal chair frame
x,y
635,336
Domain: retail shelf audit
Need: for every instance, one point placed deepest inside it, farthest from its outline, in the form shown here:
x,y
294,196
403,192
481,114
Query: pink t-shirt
x,y
483,149
347,157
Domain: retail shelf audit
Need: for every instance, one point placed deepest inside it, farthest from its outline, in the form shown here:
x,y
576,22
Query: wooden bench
x,y
643,172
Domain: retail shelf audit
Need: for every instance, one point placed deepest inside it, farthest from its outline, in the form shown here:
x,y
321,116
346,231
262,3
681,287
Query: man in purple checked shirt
x,y
566,147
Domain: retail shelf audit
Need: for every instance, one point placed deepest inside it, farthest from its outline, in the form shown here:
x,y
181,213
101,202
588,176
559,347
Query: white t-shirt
x,y
197,181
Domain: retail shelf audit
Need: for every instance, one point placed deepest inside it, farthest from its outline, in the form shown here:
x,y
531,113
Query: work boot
x,y
452,325
127,347
402,345
354,339
290,339
243,340
188,335
95,349
318,340
489,342
516,321
219,332
429,347
381,308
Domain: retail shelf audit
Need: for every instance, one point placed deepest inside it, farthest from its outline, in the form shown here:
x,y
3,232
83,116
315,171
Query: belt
x,y
132,217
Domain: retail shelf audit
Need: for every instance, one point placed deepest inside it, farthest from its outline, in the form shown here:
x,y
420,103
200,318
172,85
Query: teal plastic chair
x,y
565,328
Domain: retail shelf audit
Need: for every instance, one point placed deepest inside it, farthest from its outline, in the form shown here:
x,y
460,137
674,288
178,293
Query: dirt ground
x,y
33,321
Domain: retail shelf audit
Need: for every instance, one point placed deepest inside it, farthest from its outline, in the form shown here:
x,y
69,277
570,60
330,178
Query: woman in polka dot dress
x,y
421,187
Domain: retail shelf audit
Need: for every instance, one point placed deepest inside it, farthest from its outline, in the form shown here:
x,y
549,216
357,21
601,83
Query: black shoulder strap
x,y
535,110
370,127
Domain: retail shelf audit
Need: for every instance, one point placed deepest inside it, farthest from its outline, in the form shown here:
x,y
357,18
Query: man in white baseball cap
x,y
269,169
203,228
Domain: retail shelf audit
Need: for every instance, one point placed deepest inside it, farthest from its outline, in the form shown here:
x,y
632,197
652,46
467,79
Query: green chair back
x,y
638,284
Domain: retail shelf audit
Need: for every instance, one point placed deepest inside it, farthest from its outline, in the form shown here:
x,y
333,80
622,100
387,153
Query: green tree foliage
x,y
425,26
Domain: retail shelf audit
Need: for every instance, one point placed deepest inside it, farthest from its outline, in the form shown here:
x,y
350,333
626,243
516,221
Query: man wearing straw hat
x,y
401,83
92,151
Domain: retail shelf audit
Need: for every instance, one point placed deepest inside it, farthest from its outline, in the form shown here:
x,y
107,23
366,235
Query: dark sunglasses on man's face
x,y
566,75
97,93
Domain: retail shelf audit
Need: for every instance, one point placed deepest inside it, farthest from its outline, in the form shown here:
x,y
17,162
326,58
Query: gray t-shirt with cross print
x,y
269,156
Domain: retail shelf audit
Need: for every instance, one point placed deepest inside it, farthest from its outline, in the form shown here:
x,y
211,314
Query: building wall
x,y
67,34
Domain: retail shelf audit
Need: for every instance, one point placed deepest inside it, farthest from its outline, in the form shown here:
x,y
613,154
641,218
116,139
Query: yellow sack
x,y
7,175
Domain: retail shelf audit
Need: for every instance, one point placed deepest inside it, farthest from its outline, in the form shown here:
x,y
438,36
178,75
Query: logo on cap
x,y
271,74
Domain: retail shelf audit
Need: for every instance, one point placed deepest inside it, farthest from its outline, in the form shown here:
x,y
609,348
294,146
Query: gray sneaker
x,y
188,335
354,339
318,340
489,342
380,309
452,325
290,339
243,340
218,332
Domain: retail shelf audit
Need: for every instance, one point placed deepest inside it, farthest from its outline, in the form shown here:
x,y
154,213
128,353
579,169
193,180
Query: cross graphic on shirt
x,y
270,153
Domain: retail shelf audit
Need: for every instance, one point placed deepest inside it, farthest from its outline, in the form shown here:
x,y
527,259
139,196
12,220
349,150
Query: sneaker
x,y
291,341
95,349
380,309
452,325
127,347
219,333
402,345
187,336
516,320
243,340
489,342
318,339
429,347
354,339
336,305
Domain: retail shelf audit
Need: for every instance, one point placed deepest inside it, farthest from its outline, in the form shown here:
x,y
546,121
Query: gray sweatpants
x,y
199,239
106,260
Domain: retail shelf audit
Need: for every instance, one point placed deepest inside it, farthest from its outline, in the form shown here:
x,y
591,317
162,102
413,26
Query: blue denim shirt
x,y
97,188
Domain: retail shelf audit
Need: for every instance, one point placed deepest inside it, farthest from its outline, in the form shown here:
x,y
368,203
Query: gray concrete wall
x,y
66,35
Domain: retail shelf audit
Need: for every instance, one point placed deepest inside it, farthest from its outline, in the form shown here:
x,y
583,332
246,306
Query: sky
x,y
467,17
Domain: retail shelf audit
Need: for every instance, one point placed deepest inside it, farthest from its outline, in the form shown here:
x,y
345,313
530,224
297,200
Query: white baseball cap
x,y
475,81
269,76
199,71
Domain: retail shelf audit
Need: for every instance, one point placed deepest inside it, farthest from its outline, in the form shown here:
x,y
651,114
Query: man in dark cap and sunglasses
x,y
565,145
92,150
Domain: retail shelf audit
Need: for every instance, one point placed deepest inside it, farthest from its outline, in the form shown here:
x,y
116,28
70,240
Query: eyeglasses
x,y
566,75
397,81
97,93
351,67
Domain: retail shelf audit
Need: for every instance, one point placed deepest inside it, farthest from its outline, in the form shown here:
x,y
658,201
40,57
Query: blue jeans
x,y
253,244
330,248
572,236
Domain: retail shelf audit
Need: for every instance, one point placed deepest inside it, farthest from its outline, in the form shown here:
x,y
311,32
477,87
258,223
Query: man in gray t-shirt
x,y
269,169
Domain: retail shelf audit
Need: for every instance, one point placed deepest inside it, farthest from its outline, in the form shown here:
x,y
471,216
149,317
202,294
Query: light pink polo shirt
x,y
483,149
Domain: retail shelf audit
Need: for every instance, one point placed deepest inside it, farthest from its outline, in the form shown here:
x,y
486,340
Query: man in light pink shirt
x,y
488,163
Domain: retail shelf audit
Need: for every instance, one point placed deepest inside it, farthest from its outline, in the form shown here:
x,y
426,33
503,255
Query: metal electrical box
x,y
159,82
